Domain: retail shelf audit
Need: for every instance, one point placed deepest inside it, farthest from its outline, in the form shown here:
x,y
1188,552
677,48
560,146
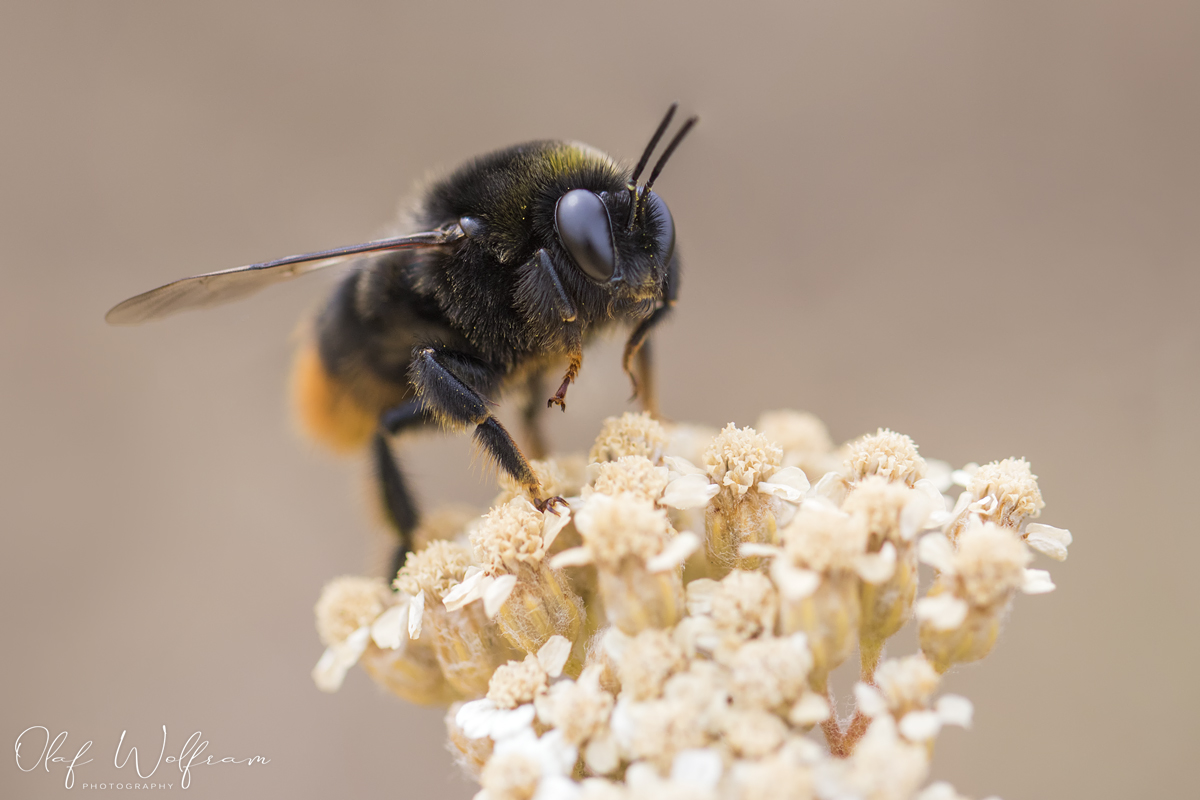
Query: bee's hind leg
x,y
397,499
531,413
452,388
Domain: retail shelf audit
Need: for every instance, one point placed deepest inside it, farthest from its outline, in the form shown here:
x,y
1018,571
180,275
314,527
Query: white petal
x,y
470,590
926,509
602,755
557,787
954,709
1037,581
935,550
832,487
552,523
336,661
689,491
758,550
495,594
675,553
805,751
877,567
962,477
1048,540
869,700
786,512
985,505
572,557
388,628
920,726
553,655
623,723
939,473
416,610
681,466
701,768
474,718
793,583
615,642
944,612
959,511
789,483
810,709
507,722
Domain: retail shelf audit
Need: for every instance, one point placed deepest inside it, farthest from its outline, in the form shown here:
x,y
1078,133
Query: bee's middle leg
x,y
451,386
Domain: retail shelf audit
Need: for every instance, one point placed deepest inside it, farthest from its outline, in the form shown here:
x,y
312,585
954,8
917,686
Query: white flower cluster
x,y
671,632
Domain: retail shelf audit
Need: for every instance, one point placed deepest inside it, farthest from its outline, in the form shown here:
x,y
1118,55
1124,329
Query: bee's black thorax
x,y
484,296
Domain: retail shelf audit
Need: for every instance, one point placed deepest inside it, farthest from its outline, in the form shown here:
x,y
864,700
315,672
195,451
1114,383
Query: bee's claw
x,y
550,504
560,397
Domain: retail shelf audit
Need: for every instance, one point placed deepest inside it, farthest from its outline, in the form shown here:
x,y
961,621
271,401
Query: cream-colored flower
x,y
1013,486
508,708
885,766
636,475
597,667
527,767
581,710
885,453
629,435
961,615
350,613
804,439
637,555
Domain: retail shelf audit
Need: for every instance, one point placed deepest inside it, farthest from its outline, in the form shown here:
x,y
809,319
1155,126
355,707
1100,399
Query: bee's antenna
x,y
662,160
641,165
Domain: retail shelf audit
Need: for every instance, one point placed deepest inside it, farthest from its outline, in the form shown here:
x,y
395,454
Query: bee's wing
x,y
215,288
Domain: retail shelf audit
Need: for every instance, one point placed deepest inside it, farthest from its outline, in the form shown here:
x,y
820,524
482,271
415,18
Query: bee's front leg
x,y
574,362
637,347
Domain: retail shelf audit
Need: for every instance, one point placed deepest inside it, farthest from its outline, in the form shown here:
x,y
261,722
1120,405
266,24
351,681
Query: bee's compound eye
x,y
665,237
584,229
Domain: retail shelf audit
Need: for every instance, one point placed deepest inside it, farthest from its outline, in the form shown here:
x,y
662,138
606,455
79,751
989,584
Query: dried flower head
x,y
886,453
434,570
556,477
880,504
580,709
805,440
769,674
753,733
517,683
509,538
347,604
907,683
1014,486
989,565
594,678
636,475
740,457
745,604
648,660
621,526
824,540
629,435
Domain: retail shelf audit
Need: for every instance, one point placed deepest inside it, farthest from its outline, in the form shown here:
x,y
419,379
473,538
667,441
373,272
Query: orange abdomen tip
x,y
327,410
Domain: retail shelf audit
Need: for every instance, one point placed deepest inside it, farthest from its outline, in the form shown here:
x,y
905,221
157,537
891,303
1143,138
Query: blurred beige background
x,y
975,222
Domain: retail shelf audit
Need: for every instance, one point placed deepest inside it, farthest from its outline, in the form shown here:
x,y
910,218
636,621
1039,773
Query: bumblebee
x,y
515,261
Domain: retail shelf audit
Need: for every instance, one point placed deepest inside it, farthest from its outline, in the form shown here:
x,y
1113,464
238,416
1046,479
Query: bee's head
x,y
623,240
